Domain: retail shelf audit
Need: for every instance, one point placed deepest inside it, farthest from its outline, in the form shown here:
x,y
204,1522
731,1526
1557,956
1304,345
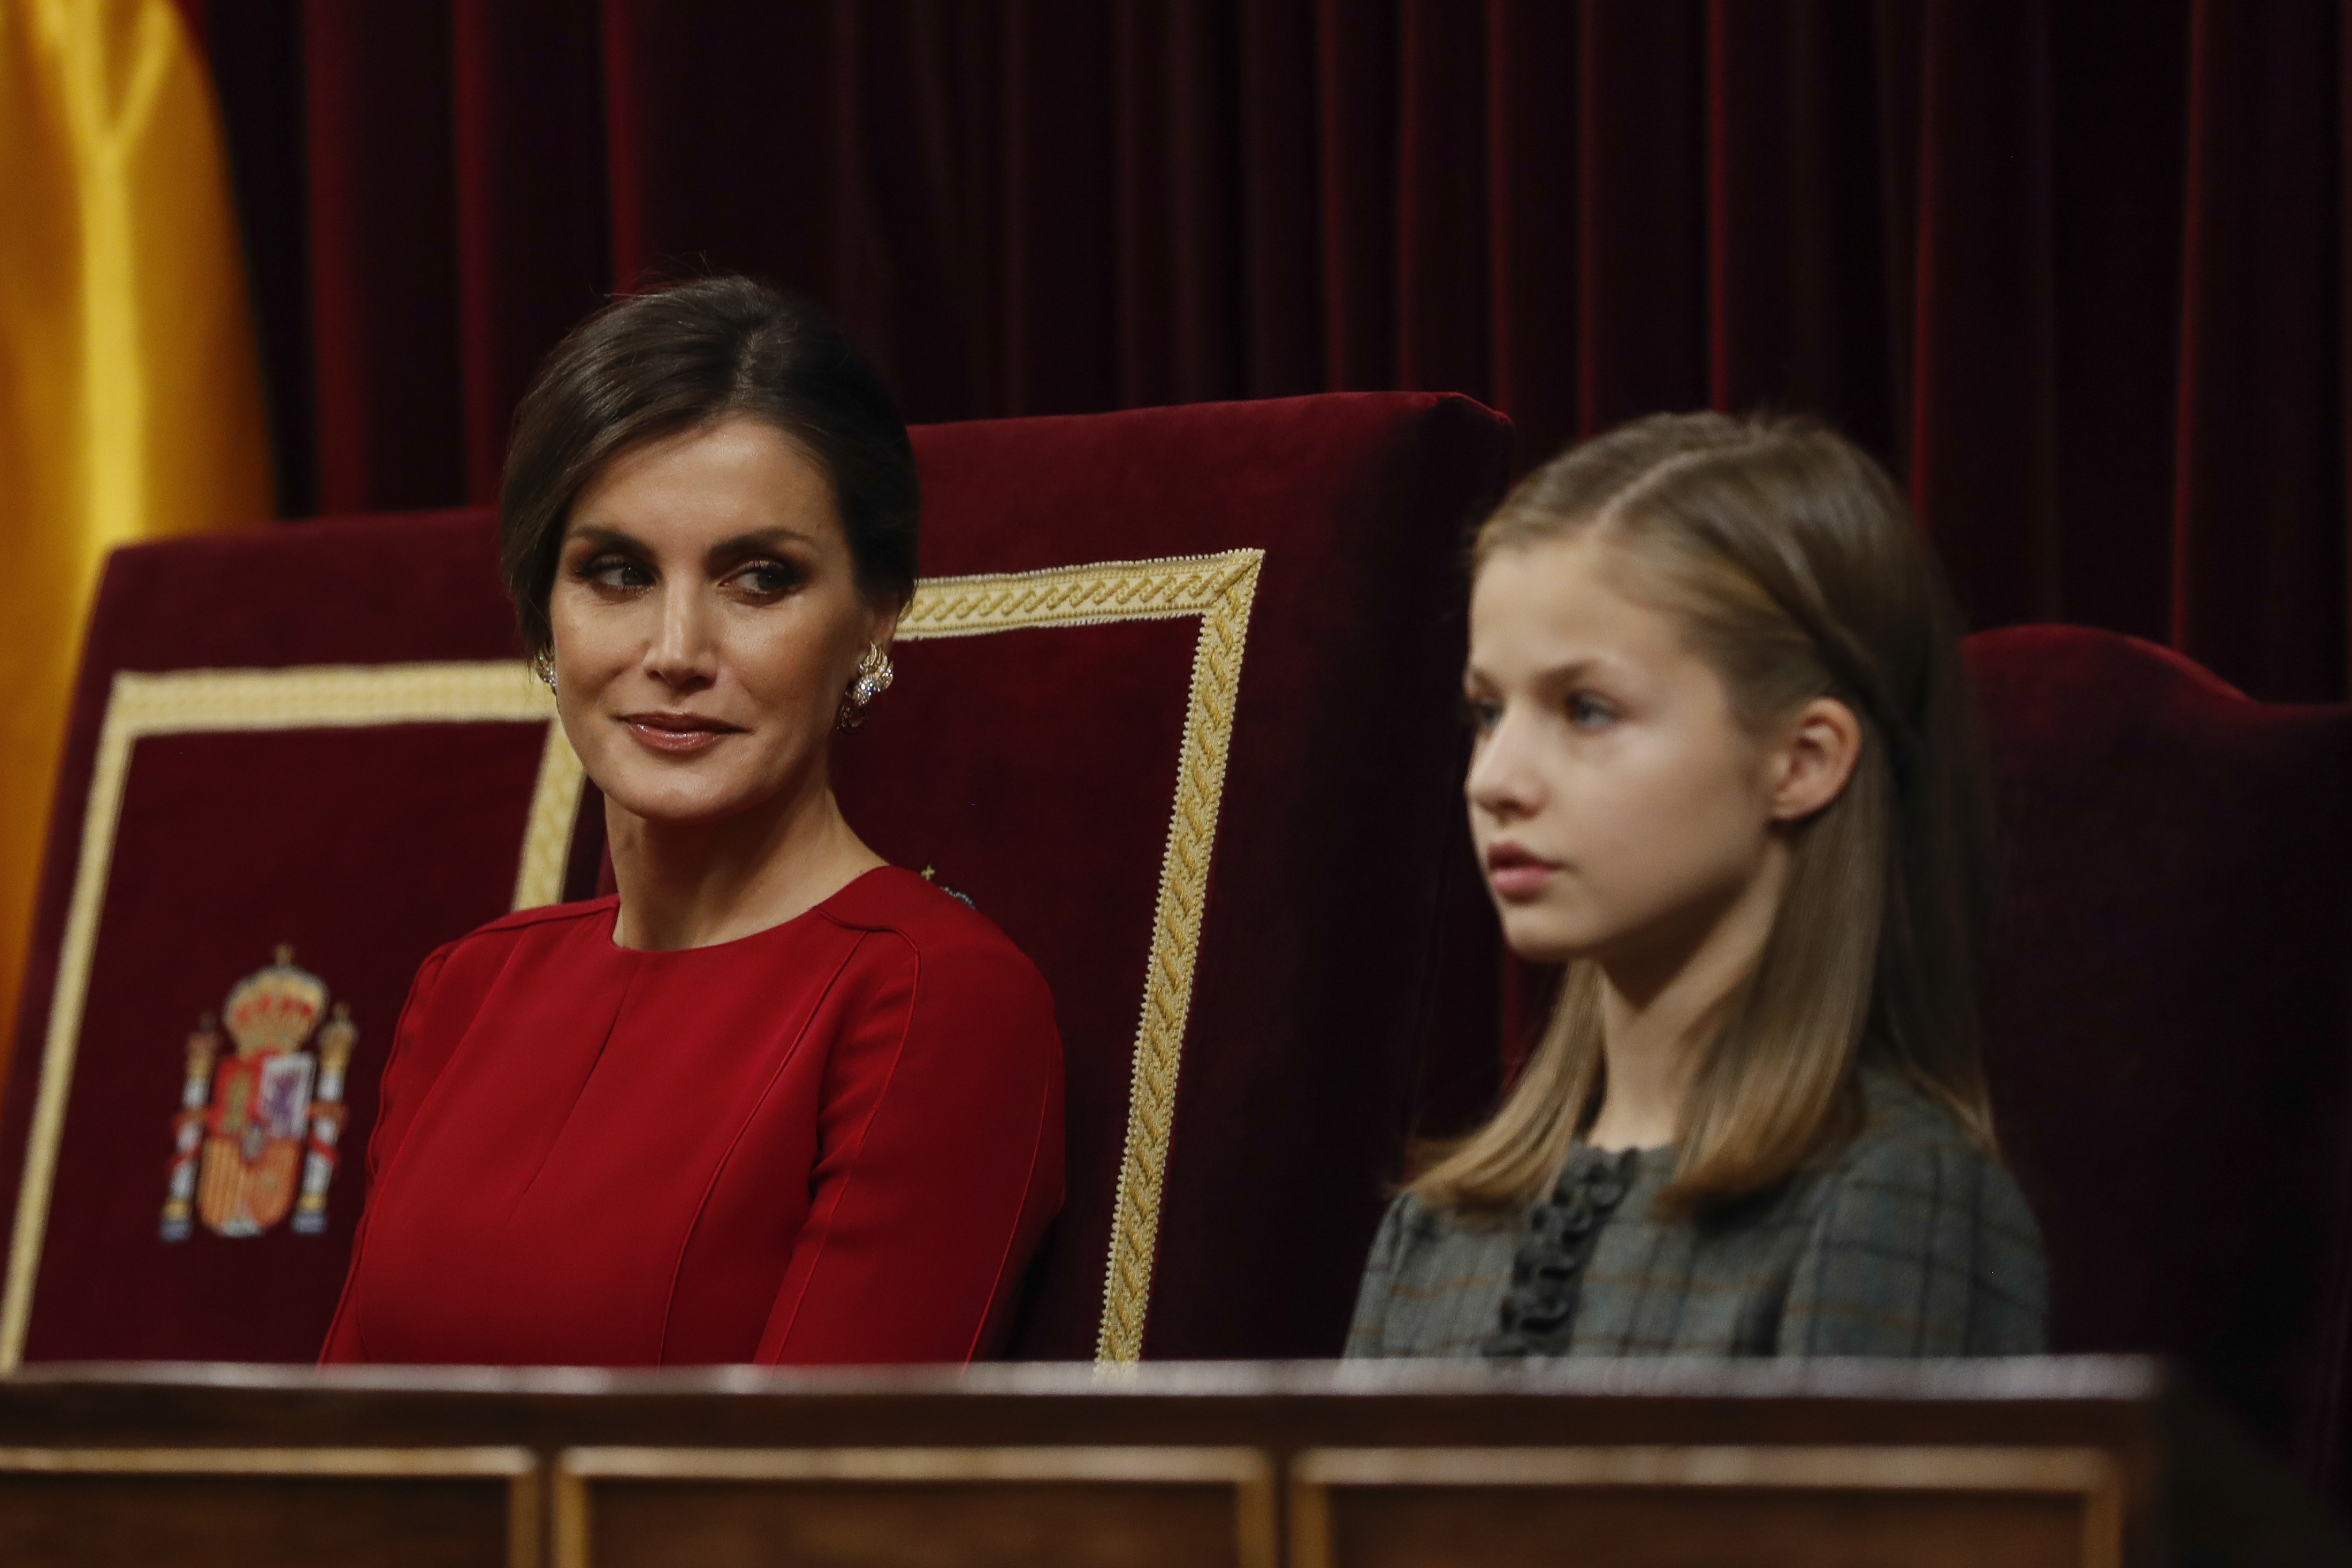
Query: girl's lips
x,y
1523,880
669,738
1515,873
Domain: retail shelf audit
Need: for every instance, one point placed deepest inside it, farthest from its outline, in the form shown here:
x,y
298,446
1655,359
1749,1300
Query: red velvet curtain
x,y
2074,267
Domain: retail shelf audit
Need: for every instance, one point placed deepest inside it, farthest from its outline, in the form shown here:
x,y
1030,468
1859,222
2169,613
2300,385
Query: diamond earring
x,y
873,678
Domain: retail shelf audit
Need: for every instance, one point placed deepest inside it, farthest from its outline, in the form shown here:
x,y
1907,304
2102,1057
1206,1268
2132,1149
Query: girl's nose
x,y
1501,783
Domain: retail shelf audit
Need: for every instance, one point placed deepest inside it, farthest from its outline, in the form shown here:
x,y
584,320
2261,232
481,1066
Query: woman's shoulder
x,y
929,916
952,942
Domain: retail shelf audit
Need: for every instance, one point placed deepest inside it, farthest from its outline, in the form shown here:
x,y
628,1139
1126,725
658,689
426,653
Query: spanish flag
x,y
131,400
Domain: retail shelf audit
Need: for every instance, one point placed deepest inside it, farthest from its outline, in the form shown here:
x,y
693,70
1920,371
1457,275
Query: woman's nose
x,y
682,652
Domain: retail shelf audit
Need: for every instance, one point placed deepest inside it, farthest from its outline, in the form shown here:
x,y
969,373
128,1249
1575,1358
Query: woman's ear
x,y
883,623
1822,744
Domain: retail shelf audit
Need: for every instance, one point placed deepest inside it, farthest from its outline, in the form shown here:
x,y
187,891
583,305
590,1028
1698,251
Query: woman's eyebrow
x,y
597,537
757,540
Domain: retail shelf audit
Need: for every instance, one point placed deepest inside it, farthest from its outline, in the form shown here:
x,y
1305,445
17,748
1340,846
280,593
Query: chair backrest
x,y
1172,709
2169,1030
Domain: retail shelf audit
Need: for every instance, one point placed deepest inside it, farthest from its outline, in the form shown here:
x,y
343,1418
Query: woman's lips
x,y
676,734
1516,874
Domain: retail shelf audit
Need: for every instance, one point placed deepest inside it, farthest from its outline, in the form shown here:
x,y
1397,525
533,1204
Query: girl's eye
x,y
1586,711
769,579
1480,714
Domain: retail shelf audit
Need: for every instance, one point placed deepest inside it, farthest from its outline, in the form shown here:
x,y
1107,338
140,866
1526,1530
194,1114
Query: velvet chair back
x,y
1173,708
2169,1028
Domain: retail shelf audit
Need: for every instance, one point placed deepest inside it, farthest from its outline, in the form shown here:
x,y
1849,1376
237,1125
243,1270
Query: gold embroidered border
x,y
1217,588
547,835
183,702
1077,595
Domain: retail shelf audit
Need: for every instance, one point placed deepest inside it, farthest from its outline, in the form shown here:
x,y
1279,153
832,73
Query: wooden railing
x,y
2079,1463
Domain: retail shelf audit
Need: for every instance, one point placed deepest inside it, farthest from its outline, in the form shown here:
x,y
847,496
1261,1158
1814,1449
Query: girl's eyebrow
x,y
1561,674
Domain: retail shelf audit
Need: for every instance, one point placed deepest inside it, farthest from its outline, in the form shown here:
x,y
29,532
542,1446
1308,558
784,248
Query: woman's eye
x,y
768,579
1588,712
615,572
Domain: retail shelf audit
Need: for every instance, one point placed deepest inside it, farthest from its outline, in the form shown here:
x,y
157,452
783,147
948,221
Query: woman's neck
x,y
1661,1005
697,884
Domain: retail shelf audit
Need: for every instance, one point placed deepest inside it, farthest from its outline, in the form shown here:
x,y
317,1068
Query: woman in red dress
x,y
776,1101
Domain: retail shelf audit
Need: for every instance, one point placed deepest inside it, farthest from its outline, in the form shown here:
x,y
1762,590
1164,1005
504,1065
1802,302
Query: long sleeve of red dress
x,y
836,1140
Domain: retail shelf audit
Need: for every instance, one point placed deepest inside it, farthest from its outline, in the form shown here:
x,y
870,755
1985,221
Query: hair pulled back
x,y
653,364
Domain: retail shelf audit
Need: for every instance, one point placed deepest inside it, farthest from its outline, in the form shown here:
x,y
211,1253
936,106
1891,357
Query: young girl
x,y
1725,770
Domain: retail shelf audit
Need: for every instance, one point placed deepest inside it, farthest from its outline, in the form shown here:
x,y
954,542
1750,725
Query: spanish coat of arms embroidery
x,y
271,1112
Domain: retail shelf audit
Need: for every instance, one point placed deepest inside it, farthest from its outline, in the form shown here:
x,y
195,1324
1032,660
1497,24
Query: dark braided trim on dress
x,y
1547,1272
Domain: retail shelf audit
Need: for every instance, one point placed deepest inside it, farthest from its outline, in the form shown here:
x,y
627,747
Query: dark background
x,y
2073,268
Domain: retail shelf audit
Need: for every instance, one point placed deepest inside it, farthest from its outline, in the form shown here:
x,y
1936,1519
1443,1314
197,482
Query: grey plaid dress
x,y
1909,1242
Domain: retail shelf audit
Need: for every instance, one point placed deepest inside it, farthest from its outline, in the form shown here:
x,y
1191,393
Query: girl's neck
x,y
1662,1003
697,884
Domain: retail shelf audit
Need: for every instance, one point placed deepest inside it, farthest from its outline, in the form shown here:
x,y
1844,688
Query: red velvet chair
x,y
2169,1030
1211,788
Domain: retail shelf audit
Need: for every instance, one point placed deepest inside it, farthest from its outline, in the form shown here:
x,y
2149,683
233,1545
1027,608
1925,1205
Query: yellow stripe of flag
x,y
131,402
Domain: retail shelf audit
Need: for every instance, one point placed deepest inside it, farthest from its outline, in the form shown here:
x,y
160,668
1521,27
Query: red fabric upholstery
x,y
1343,993
362,848
2169,1033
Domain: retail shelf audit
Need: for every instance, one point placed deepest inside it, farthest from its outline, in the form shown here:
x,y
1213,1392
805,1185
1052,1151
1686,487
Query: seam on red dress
x,y
1012,1241
898,1059
628,989
439,960
377,1177
544,914
686,1239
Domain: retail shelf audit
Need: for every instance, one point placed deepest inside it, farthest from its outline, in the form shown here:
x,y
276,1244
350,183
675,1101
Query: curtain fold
x,y
2076,270
532,233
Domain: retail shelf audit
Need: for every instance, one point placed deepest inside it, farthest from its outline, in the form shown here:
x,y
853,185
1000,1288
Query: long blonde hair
x,y
1791,561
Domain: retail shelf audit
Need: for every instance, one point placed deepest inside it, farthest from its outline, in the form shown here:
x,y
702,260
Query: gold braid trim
x,y
1075,595
547,835
1175,949
1219,588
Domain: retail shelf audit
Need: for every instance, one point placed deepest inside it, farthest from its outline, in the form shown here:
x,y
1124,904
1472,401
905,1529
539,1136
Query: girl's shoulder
x,y
1913,1169
1902,1123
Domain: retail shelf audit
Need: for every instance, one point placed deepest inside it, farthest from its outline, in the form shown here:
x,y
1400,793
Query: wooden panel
x,y
262,1508
1722,1507
938,1508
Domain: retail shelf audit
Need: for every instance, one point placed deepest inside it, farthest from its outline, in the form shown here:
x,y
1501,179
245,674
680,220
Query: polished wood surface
x,y
193,1507
2019,1507
2085,1463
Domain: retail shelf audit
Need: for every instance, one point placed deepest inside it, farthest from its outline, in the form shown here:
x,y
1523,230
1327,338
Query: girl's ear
x,y
1823,742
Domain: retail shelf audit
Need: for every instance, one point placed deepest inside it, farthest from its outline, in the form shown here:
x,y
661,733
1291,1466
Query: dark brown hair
x,y
649,365
1794,567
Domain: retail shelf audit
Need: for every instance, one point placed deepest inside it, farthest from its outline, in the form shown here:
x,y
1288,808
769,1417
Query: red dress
x,y
836,1140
